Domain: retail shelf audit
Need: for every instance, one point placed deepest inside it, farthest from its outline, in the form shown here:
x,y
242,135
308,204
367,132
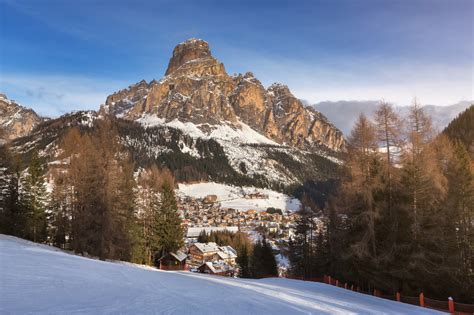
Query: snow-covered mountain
x,y
205,125
16,120
38,279
223,156
197,91
344,113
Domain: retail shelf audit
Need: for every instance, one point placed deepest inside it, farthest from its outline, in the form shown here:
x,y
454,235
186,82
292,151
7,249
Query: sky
x,y
62,55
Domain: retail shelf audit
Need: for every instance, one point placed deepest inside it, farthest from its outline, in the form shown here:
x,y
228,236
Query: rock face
x,y
15,120
196,88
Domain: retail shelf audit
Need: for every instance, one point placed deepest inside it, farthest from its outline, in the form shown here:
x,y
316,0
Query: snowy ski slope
x,y
37,279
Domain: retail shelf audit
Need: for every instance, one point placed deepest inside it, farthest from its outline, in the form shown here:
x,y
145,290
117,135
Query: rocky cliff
x,y
197,89
15,120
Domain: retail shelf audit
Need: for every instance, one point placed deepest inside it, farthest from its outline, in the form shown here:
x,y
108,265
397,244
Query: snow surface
x,y
38,279
233,197
224,131
242,145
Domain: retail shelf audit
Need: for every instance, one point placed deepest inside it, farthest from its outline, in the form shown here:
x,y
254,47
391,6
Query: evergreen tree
x,y
60,212
244,262
34,198
263,262
12,213
203,237
168,230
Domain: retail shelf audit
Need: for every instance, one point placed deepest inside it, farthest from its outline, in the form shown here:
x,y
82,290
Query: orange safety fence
x,y
448,305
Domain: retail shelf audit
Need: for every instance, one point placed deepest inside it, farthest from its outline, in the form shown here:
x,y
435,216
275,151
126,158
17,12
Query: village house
x,y
216,268
173,261
226,254
211,252
202,252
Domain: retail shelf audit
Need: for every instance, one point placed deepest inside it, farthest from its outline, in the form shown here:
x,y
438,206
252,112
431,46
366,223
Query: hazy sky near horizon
x,y
57,55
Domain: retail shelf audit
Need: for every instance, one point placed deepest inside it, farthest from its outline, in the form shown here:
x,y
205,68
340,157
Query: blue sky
x,y
62,55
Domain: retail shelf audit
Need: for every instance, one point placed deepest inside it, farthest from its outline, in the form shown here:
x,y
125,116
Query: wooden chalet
x,y
173,261
203,252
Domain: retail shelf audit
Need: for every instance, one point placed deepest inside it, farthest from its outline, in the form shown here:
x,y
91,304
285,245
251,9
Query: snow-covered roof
x,y
227,252
207,247
217,267
179,255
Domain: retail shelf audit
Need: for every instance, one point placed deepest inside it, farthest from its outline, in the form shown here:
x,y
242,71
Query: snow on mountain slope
x,y
38,279
224,132
241,145
235,197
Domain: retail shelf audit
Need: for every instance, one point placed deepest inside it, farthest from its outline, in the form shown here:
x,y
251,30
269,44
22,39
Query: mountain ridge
x,y
16,120
197,89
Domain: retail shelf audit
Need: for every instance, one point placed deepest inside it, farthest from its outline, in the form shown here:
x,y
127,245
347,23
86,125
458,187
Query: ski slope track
x,y
37,279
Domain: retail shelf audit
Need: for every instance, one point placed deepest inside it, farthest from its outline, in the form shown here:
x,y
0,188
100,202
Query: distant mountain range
x,y
343,114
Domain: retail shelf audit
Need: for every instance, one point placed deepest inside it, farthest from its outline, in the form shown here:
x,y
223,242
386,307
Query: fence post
x,y
345,285
451,305
352,287
337,283
329,280
398,296
422,300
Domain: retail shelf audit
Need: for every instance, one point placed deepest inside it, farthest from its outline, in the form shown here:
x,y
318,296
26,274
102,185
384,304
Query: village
x,y
206,215
208,212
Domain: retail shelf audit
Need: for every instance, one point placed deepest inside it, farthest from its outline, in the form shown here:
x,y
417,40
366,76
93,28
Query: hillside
x,y
192,158
38,279
461,128
237,197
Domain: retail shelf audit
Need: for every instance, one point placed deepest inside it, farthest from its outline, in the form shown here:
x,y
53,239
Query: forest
x,y
88,201
401,218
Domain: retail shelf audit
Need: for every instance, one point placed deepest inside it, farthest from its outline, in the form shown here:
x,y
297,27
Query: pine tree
x,y
203,237
12,213
168,230
60,232
244,262
263,262
34,197
269,261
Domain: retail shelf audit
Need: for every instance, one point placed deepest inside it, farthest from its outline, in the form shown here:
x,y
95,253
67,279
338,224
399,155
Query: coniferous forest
x,y
94,205
402,216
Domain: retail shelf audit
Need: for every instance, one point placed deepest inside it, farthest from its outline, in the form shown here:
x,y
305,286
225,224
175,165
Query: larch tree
x,y
362,182
388,129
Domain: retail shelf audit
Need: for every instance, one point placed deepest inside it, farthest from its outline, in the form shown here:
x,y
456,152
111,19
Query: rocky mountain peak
x,y
279,89
15,120
188,50
198,90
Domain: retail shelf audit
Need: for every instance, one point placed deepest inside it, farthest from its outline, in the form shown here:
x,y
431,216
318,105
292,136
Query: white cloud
x,y
396,81
53,95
